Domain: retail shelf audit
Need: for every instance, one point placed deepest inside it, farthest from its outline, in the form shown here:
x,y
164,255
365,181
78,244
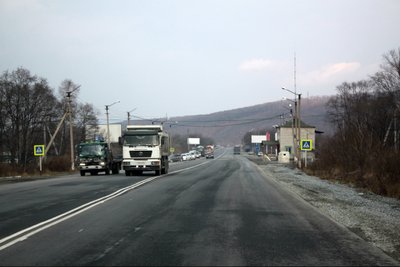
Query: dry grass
x,y
381,176
52,166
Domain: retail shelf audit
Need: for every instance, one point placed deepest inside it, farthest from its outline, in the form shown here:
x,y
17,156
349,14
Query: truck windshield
x,y
91,150
145,140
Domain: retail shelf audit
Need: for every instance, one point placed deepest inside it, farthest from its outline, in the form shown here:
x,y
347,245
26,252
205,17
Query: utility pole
x,y
129,115
294,133
108,124
71,134
299,129
71,131
297,123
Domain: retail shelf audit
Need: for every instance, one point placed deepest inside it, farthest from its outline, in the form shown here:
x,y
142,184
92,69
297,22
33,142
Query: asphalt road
x,y
222,212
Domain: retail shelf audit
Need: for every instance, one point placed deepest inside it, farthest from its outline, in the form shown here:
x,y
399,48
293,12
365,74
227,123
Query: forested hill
x,y
228,127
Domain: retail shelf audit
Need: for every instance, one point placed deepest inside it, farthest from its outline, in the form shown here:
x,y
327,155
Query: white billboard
x,y
258,139
193,141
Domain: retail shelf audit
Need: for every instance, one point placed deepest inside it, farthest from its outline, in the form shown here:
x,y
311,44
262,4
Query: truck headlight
x,y
82,164
102,163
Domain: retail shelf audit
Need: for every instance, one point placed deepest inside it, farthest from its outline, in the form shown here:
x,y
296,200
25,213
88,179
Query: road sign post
x,y
306,145
38,150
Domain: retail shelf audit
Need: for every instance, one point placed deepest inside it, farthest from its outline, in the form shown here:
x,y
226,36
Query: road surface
x,y
221,212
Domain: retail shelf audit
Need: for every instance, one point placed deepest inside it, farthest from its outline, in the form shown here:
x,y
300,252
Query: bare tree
x,y
26,103
387,83
86,119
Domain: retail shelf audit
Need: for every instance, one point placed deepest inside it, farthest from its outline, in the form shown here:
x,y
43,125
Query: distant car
x,y
185,156
192,154
175,158
260,154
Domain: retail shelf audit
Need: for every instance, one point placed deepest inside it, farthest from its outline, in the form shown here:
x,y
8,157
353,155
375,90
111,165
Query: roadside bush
x,y
385,174
58,164
8,169
380,176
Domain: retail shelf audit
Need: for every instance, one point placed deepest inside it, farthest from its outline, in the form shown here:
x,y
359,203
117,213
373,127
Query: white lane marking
x,y
30,231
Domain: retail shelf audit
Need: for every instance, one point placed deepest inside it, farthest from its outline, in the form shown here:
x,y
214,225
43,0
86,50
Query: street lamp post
x,y
297,121
108,124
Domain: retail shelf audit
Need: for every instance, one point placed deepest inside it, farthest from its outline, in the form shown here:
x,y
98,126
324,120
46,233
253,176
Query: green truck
x,y
95,157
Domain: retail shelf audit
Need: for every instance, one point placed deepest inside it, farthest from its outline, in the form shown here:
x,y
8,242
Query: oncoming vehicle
x,y
95,157
145,148
209,152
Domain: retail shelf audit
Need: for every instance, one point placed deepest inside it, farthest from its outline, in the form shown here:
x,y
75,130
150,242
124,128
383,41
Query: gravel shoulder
x,y
374,218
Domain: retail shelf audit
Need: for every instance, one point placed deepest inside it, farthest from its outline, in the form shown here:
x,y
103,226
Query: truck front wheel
x,y
82,173
164,166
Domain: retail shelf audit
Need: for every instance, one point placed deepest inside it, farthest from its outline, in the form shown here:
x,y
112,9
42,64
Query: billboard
x,y
258,139
193,141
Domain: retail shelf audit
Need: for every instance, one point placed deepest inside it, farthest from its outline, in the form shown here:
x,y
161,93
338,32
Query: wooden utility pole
x,y
71,133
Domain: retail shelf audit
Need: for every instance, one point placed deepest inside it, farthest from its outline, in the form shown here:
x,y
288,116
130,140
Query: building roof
x,y
289,123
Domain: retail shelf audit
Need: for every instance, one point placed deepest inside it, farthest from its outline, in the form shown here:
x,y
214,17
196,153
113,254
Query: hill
x,y
228,127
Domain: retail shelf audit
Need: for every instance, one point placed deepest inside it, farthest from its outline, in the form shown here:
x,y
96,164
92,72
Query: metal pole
x,y
108,125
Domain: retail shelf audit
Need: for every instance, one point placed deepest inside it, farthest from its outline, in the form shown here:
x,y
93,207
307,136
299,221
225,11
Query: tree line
x,y
30,112
364,149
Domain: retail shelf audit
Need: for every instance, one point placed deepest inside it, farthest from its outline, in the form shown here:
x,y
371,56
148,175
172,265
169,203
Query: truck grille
x,y
140,154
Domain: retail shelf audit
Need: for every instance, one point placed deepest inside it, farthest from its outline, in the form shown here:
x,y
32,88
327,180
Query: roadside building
x,y
285,135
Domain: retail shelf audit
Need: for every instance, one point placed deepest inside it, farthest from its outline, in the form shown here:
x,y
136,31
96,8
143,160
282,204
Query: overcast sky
x,y
185,57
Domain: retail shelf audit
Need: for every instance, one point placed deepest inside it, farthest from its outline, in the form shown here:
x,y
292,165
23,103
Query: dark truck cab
x,y
95,157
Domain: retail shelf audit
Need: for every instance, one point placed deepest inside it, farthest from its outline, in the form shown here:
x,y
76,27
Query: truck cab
x,y
145,148
95,157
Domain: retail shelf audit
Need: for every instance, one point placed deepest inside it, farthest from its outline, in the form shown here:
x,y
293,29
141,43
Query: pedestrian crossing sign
x,y
306,144
38,150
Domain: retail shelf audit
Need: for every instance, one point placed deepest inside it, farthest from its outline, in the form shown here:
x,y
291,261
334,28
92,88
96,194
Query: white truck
x,y
145,148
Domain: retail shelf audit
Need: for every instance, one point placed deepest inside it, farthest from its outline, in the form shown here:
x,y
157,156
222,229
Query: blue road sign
x,y
257,147
306,144
38,150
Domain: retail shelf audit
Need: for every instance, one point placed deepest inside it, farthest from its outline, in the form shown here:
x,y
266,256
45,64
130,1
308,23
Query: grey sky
x,y
196,57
